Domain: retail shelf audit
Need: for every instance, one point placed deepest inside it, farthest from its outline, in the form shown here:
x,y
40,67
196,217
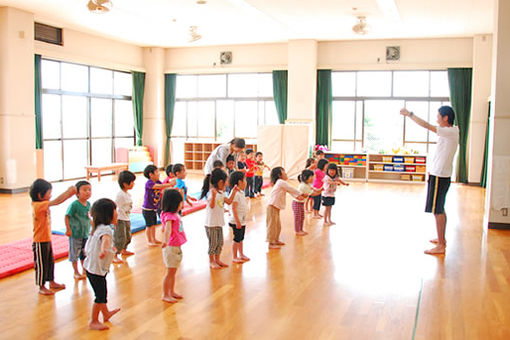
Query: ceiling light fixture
x,y
99,6
389,9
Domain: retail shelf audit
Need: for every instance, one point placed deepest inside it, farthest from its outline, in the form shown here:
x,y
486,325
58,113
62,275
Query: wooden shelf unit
x,y
371,167
196,153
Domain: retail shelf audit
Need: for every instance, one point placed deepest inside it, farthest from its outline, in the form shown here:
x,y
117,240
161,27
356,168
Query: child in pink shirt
x,y
318,183
173,238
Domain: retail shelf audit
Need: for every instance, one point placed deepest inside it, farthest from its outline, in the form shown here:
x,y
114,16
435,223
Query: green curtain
x,y
169,110
138,91
483,177
37,93
324,104
459,80
280,85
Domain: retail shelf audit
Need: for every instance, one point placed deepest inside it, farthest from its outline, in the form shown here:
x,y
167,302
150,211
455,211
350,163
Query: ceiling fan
x,y
99,6
361,27
194,36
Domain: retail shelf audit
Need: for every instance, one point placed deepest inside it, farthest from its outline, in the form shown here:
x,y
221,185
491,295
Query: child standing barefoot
x,y
298,206
100,254
311,164
331,180
40,193
237,221
78,226
173,238
215,220
150,207
122,231
318,184
277,203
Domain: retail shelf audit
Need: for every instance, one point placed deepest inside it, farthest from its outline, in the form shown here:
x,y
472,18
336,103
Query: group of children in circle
x,y
227,185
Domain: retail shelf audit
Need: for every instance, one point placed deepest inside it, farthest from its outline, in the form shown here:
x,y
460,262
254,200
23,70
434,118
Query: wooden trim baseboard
x,y
14,191
499,226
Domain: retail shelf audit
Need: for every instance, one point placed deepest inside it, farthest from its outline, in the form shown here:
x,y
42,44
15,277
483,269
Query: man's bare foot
x,y
45,291
274,246
327,224
301,233
438,250
176,296
332,223
214,265
117,260
169,299
280,243
245,258
110,313
237,260
221,264
78,276
126,252
158,242
98,326
57,286
434,240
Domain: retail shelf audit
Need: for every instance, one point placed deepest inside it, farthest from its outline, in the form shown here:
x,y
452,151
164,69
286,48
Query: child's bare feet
x,y
237,260
157,242
301,233
98,326
317,216
245,258
58,286
152,244
332,223
45,291
221,264
438,250
176,296
126,252
280,243
214,265
117,260
274,246
169,299
78,276
110,313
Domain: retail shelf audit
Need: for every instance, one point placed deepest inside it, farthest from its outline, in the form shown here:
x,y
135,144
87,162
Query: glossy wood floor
x,y
365,278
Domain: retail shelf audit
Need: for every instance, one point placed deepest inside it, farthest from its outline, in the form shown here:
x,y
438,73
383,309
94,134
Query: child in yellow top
x,y
40,192
259,173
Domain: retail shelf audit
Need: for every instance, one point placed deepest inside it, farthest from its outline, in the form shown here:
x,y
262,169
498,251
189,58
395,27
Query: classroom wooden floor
x,y
365,278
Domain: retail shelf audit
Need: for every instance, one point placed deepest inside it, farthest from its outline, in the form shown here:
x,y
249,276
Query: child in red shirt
x,y
251,165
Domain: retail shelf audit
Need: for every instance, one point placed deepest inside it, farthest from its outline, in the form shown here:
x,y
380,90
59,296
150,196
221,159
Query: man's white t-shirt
x,y
441,164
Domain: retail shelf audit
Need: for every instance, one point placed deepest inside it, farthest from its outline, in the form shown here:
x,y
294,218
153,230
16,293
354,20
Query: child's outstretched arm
x,y
63,196
232,195
170,184
339,181
106,241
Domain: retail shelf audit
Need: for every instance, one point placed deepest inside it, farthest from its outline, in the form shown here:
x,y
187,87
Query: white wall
x,y
246,58
482,65
414,54
83,48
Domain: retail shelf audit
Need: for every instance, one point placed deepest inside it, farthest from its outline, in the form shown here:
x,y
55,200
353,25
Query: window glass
x,y
206,118
75,158
246,119
439,86
265,85
192,120
411,83
101,151
270,114
243,85
212,85
52,160
343,84
101,117
50,116
343,120
224,120
74,117
186,87
124,124
374,84
101,81
75,78
414,132
50,74
383,125
179,122
122,83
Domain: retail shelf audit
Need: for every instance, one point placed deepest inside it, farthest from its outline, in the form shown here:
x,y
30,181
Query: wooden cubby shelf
x,y
380,167
196,154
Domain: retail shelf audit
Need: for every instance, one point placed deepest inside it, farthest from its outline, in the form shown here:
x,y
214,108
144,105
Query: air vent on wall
x,y
48,34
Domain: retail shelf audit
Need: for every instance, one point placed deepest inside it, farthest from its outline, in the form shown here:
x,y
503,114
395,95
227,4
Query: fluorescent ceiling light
x,y
389,9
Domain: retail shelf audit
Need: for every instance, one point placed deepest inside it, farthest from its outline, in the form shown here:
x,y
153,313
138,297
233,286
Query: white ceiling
x,y
166,23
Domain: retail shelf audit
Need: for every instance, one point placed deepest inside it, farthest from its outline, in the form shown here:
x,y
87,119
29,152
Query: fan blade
x,y
91,6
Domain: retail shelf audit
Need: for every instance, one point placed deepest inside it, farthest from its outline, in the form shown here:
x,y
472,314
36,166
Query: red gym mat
x,y
18,256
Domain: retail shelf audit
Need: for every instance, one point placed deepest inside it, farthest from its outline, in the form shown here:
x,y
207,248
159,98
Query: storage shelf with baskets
x,y
380,167
196,154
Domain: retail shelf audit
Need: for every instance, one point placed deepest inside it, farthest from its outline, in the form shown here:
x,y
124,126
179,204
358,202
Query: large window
x,y
366,107
218,107
86,114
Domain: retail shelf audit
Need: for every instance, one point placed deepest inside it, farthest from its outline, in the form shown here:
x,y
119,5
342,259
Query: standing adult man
x,y
440,169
